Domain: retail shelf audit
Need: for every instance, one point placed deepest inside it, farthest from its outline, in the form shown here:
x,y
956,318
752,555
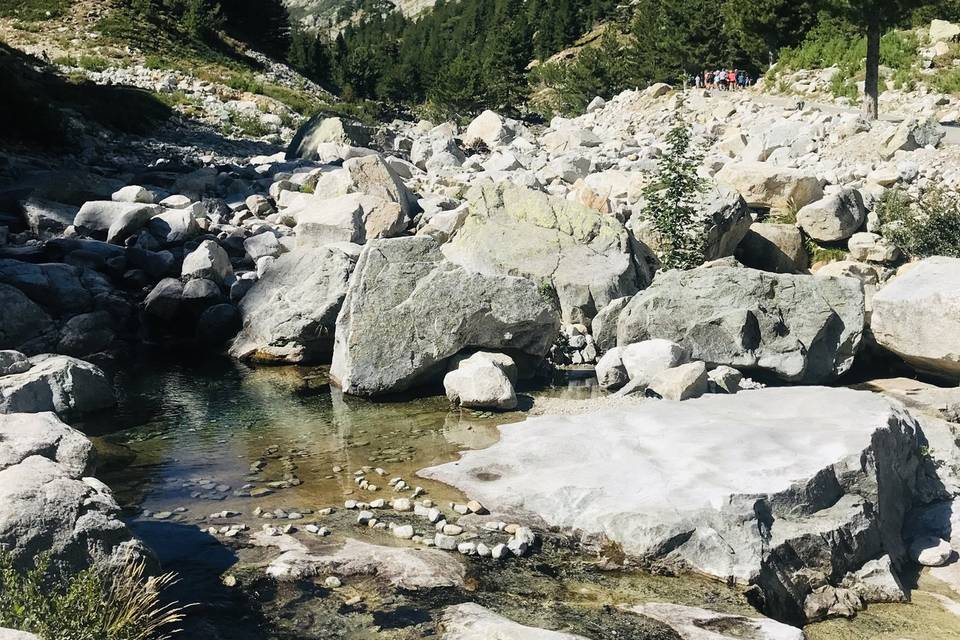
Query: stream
x,y
188,440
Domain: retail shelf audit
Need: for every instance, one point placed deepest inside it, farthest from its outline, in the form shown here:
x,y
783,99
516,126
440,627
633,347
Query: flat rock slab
x,y
403,567
470,621
692,623
753,486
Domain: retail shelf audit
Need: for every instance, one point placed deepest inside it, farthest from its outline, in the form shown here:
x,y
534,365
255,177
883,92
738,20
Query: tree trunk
x,y
871,90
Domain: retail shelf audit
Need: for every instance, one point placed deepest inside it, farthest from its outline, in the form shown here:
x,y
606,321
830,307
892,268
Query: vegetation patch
x,y
33,10
118,604
927,227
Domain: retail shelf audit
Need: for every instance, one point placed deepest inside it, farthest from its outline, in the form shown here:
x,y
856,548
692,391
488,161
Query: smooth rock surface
x,y
401,567
408,310
583,255
61,384
917,316
692,623
470,621
749,486
290,314
796,327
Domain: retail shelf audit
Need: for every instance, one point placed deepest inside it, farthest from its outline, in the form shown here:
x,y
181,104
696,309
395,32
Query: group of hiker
x,y
723,80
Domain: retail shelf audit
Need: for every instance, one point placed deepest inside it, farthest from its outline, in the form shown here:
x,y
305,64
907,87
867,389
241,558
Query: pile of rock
x,y
49,502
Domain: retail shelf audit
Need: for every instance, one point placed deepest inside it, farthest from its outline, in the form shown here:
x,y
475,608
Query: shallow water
x,y
196,429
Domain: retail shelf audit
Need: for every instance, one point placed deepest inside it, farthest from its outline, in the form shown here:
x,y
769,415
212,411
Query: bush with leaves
x,y
930,226
672,203
95,604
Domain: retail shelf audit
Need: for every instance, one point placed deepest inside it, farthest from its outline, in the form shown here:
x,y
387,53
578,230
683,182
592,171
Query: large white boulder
x,y
767,487
113,221
482,381
490,128
646,359
917,316
46,503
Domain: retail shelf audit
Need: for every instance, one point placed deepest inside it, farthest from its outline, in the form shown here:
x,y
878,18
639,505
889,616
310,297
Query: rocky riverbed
x,y
337,323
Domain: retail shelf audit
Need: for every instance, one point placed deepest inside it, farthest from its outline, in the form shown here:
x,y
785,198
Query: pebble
x,y
294,516
337,469
499,551
162,515
364,517
483,550
402,505
447,543
379,503
332,582
462,509
434,515
404,532
475,507
325,511
452,530
350,504
492,525
467,548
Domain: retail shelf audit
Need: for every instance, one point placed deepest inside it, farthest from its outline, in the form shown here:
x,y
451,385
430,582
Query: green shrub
x,y
947,81
671,203
249,126
118,604
93,63
33,9
928,227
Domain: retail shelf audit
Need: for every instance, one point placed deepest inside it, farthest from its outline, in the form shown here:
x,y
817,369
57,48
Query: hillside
x,y
331,16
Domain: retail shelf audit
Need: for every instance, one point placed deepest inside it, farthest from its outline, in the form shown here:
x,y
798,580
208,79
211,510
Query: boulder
x,y
61,289
217,325
724,379
46,508
646,359
401,567
321,130
773,247
833,218
692,623
209,261
113,221
795,327
943,31
11,634
22,320
912,134
371,175
334,220
870,247
580,254
408,310
917,316
726,220
13,362
133,193
43,434
611,374
604,324
262,244
86,334
680,383
289,315
470,621
174,226
480,383
61,384
163,301
771,186
489,128
47,216
768,487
